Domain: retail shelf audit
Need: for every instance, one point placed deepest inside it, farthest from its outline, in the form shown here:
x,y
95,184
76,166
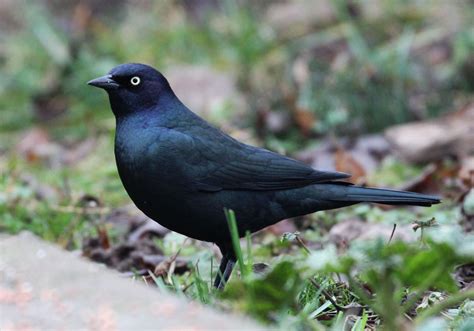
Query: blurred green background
x,y
286,75
355,66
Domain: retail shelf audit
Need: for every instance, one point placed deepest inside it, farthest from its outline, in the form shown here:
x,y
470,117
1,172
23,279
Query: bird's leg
x,y
225,269
227,272
220,273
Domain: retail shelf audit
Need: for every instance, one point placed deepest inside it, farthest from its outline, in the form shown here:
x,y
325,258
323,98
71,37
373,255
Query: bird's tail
x,y
385,196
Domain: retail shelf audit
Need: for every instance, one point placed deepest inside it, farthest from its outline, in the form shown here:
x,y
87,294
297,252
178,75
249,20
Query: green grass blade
x,y
234,233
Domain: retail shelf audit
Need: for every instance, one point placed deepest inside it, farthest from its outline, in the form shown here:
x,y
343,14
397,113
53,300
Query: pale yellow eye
x,y
135,80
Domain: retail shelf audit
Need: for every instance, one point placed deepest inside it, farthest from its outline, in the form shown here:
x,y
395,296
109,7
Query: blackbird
x,y
182,172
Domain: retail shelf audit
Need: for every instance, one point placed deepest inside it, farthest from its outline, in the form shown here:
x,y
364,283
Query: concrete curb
x,y
45,288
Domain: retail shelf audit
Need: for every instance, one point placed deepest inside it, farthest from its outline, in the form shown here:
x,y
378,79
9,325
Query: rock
x,y
45,288
421,142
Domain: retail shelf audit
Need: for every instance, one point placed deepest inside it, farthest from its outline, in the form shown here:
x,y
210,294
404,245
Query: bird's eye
x,y
135,80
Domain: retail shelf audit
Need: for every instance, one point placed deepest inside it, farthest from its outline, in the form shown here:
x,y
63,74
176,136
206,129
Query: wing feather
x,y
259,169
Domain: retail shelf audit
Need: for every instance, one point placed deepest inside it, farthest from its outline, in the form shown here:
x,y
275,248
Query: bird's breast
x,y
152,163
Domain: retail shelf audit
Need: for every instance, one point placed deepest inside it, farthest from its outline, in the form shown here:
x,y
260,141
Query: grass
x,y
44,70
398,275
244,268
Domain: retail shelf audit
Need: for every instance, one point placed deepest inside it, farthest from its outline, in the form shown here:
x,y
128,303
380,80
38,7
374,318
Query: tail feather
x,y
387,196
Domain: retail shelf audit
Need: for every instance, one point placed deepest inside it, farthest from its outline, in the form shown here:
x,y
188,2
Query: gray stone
x,y
45,288
429,141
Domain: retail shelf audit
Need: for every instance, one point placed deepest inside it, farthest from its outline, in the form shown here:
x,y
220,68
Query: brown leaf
x,y
103,237
426,182
152,261
282,227
436,178
345,162
166,268
305,120
367,151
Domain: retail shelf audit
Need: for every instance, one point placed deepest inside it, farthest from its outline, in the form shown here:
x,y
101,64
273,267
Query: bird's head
x,y
133,87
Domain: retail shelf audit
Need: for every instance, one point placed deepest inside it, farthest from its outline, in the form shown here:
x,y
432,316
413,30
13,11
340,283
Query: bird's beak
x,y
106,82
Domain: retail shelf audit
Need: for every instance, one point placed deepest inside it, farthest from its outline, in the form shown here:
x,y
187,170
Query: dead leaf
x,y
122,256
345,162
150,228
426,182
305,120
103,237
151,262
367,151
166,268
282,227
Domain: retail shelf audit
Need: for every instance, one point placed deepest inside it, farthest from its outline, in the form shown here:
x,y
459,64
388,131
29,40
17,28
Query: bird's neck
x,y
168,111
123,105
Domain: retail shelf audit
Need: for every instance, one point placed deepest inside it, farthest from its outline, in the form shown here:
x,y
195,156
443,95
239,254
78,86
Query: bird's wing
x,y
253,168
